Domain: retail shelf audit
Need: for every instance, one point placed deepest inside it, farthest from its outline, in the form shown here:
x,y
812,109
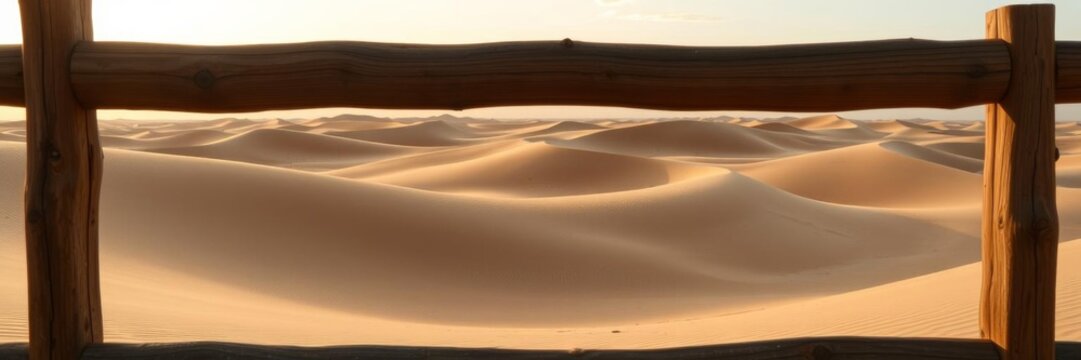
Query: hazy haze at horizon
x,y
689,22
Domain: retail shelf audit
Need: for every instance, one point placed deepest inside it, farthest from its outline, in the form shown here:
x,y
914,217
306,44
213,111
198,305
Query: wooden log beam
x,y
813,77
63,176
1068,72
11,75
1020,219
1068,79
177,81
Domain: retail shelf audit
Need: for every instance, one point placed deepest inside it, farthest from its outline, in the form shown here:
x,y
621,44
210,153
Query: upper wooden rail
x,y
1068,72
817,77
11,76
808,77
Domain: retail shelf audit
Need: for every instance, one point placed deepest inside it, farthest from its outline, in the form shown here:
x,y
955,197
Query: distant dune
x,y
538,234
290,149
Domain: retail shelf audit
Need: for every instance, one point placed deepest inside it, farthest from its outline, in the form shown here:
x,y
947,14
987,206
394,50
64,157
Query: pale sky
x,y
677,22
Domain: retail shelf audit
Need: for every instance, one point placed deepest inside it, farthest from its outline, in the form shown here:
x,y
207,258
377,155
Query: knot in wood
x,y
204,79
54,155
1046,218
567,43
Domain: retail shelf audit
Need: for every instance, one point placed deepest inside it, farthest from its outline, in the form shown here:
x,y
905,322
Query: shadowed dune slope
x,y
890,174
970,147
933,155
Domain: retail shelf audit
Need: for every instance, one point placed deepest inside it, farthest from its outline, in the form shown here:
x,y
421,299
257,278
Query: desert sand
x,y
537,233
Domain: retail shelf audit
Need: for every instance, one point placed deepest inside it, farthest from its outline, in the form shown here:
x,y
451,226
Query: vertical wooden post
x,y
63,178
1020,219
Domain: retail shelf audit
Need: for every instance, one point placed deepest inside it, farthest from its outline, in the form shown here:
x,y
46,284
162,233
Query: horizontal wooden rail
x,y
11,76
810,77
1068,75
816,77
806,348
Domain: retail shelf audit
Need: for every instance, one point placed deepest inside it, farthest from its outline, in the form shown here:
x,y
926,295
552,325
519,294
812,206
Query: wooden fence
x,y
1019,70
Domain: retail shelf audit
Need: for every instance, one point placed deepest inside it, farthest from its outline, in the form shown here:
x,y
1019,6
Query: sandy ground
x,y
537,234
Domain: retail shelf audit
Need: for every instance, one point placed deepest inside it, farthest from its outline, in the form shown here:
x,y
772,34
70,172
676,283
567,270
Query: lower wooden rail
x,y
801,348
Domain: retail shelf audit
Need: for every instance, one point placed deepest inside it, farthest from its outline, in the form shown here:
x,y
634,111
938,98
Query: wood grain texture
x,y
11,75
809,77
1068,81
1020,224
1068,75
63,176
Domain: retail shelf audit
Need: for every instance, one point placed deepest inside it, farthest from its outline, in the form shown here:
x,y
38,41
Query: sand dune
x,y
970,147
1068,128
1069,145
695,138
432,133
377,245
538,169
12,137
934,155
564,126
439,156
291,149
859,175
1069,171
836,127
344,122
541,234
154,139
823,122
782,127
